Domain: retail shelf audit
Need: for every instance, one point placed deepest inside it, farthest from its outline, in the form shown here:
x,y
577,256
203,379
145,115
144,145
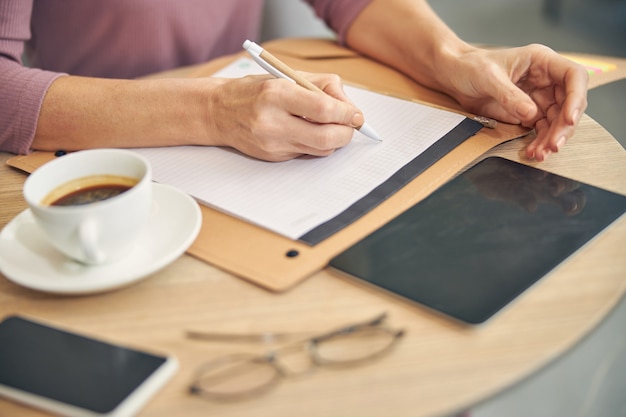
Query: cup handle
x,y
88,236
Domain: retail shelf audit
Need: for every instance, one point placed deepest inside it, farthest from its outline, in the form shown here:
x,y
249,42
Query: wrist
x,y
198,101
439,63
216,99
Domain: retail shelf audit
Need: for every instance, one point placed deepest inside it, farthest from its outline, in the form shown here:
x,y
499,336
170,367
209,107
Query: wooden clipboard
x,y
267,259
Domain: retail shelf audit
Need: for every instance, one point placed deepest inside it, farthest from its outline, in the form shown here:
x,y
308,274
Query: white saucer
x,y
27,258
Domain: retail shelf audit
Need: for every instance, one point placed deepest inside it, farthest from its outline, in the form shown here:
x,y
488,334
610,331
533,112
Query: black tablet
x,y
481,239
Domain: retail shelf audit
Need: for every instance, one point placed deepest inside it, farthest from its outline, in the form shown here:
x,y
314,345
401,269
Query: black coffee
x,y
90,189
91,195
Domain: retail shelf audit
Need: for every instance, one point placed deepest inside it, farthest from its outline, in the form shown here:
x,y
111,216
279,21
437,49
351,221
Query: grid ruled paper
x,y
293,197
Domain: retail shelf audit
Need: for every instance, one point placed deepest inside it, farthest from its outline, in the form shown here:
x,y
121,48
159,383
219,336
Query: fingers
x,y
552,133
331,84
563,104
541,89
321,108
276,120
316,124
335,107
298,136
576,82
512,99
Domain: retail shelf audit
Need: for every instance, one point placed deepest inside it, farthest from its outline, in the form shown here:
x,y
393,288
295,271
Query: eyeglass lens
x,y
351,348
235,376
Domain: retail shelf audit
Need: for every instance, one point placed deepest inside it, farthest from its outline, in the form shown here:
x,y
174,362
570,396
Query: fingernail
x,y
357,120
546,154
575,115
560,143
524,109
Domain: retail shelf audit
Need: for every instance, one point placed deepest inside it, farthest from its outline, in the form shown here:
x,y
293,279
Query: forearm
x,y
409,36
532,85
80,113
260,116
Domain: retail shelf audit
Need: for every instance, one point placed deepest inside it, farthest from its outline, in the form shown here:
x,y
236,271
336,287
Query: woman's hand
x,y
261,116
276,120
531,85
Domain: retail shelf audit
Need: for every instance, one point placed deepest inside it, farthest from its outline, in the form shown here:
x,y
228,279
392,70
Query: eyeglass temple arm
x,y
376,321
272,337
264,337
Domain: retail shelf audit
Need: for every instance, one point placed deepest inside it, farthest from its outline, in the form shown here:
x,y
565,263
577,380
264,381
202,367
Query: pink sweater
x,y
118,39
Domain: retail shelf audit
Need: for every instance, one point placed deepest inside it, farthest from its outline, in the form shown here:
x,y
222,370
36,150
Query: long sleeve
x,y
338,14
118,39
22,89
111,39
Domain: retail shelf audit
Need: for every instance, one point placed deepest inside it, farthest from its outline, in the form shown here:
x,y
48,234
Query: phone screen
x,y
70,368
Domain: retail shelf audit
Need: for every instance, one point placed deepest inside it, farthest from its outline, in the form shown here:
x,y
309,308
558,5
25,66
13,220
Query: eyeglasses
x,y
238,376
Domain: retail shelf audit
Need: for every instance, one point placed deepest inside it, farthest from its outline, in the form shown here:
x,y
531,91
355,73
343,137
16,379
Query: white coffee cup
x,y
97,232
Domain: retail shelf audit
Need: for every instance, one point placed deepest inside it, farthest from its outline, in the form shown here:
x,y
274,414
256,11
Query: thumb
x,y
357,120
513,99
347,114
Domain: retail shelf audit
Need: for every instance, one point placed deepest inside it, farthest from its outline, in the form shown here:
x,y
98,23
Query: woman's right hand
x,y
277,120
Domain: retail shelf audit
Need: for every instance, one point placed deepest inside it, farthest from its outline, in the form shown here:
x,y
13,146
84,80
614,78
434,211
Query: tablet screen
x,y
480,240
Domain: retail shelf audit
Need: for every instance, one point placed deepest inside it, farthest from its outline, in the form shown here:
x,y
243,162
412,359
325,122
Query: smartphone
x,y
74,375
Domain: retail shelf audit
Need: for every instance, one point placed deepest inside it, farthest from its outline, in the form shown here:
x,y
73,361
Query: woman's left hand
x,y
531,85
